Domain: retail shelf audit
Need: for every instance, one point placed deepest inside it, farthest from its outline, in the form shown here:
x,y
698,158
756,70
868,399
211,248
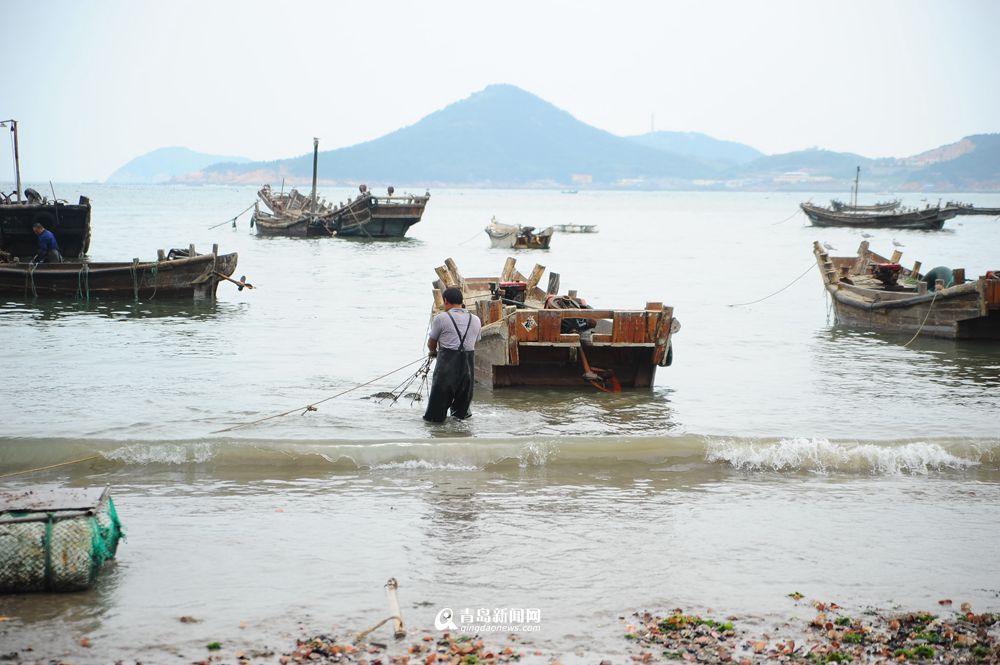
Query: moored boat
x,y
873,292
575,228
880,206
21,210
969,209
510,236
179,273
926,219
535,337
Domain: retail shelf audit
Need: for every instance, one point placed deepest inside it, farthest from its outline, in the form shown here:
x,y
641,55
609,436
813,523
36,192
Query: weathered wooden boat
x,y
510,236
926,219
969,209
20,210
575,228
179,273
365,216
880,206
876,293
55,539
535,337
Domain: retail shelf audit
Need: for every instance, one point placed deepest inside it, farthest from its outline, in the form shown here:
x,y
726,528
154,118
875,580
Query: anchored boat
x,y
969,209
877,293
535,337
365,216
575,228
20,210
509,236
179,273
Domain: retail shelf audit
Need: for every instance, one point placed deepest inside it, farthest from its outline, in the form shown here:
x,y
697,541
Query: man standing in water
x,y
452,338
48,248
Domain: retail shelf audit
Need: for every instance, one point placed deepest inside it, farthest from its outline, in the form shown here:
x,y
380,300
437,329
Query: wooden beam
x,y
445,276
553,284
896,256
958,275
508,269
438,299
535,277
453,269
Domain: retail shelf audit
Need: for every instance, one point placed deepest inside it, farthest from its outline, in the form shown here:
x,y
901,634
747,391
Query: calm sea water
x,y
778,453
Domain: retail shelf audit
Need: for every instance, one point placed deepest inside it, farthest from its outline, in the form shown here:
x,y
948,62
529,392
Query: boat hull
x,y
367,216
931,219
173,278
70,223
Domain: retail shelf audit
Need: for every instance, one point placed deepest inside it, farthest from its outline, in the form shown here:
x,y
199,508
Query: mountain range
x,y
163,164
503,136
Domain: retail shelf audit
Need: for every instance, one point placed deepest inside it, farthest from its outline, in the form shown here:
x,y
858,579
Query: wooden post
x,y
496,311
453,269
390,591
508,269
161,255
438,284
553,283
921,287
191,252
572,294
915,273
535,277
896,256
939,285
438,299
843,271
445,276
958,275
215,249
654,306
482,310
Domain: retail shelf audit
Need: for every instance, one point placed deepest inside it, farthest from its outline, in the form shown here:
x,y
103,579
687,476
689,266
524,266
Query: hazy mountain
x,y
163,164
699,146
814,161
972,164
499,136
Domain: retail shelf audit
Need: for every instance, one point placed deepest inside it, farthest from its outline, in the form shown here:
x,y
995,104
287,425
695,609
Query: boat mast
x,y
315,162
17,157
857,176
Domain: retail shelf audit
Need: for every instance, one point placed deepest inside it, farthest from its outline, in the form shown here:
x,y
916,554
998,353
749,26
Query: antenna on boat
x,y
315,161
17,157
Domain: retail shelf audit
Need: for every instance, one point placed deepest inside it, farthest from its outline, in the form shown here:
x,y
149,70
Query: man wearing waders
x,y
452,338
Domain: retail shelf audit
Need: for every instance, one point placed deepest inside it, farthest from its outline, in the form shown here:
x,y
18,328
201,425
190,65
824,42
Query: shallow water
x,y
779,453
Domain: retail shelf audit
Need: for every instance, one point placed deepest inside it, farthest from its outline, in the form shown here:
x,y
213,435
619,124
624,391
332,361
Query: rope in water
x,y
232,220
50,466
790,216
83,283
806,272
926,316
312,407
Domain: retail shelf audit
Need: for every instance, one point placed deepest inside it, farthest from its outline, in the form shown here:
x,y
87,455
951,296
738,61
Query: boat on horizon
x,y
513,236
536,337
22,209
969,209
575,228
872,292
174,274
365,216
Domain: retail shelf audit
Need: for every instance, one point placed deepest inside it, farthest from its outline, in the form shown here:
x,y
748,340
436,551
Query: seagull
x,y
865,234
829,247
896,243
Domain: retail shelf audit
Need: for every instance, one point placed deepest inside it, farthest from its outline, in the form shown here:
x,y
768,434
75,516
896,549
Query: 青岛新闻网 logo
x,y
490,620
443,620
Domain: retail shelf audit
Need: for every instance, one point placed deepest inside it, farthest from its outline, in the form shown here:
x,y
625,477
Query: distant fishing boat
x,y
365,216
509,236
20,210
969,209
570,191
179,273
535,337
873,292
575,228
887,215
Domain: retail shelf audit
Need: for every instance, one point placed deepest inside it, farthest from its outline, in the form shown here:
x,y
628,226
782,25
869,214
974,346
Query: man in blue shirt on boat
x,y
452,339
48,248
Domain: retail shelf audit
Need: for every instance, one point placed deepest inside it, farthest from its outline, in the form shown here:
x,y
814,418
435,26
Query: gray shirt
x,y
444,332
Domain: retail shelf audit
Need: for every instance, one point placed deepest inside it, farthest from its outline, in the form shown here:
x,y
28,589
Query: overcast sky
x,y
95,84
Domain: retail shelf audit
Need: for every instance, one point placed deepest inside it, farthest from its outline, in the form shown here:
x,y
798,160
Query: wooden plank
x,y
527,326
654,306
652,320
896,256
629,327
445,276
536,276
496,311
571,338
915,272
513,357
483,310
549,323
600,337
438,299
553,284
958,276
453,269
508,269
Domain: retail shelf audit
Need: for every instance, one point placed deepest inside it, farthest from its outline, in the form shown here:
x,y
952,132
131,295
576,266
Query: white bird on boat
x,y
865,234
896,243
830,247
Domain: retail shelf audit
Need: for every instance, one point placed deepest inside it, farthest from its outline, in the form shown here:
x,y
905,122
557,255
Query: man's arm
x,y
432,346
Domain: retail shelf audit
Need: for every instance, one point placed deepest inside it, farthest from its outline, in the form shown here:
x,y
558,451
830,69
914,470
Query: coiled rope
x,y
806,272
312,407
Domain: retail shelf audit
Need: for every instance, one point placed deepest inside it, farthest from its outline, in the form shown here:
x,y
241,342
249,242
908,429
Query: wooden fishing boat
x,y
876,293
969,209
179,273
535,337
365,216
20,210
575,228
926,219
509,236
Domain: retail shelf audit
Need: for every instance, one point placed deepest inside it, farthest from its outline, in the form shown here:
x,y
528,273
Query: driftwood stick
x,y
390,591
